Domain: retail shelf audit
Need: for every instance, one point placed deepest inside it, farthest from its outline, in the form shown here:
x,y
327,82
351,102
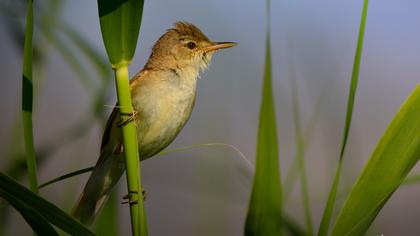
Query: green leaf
x,y
38,223
264,211
66,176
120,24
9,187
327,215
394,156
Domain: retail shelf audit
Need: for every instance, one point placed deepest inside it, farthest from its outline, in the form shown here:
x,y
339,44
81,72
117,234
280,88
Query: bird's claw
x,y
129,197
131,117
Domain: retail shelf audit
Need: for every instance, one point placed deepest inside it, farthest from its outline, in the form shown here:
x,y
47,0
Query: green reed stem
x,y
27,101
132,160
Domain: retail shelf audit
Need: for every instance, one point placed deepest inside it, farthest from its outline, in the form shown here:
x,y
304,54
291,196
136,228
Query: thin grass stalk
x,y
164,152
27,101
132,160
300,154
305,134
326,217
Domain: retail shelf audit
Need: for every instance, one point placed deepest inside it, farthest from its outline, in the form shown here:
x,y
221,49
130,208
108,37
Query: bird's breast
x,y
163,106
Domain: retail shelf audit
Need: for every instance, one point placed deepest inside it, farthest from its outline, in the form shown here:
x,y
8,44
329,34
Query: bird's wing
x,y
108,127
106,138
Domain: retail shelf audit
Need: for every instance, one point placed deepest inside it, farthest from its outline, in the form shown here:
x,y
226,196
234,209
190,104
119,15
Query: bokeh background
x,y
205,190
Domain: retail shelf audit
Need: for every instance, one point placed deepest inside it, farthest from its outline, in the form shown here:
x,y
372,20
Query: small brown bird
x,y
163,96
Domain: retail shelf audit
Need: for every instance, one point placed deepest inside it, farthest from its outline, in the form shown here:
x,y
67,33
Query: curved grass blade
x,y
9,187
327,215
88,169
264,211
66,176
394,156
37,222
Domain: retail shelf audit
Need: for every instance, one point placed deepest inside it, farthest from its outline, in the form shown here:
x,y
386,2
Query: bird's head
x,y
184,46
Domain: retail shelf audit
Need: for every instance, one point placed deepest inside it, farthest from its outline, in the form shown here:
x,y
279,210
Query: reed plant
x,y
396,153
123,18
27,100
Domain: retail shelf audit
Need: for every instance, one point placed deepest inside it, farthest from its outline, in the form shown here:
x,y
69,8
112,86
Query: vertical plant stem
x,y
326,217
27,101
300,156
132,161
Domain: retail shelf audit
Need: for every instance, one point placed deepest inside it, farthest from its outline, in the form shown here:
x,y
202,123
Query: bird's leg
x,y
129,199
124,121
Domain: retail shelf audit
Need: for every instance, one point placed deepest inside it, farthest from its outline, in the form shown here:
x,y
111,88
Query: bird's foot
x,y
130,118
129,197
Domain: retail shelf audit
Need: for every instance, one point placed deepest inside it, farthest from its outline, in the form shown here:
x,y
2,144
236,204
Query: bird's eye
x,y
191,45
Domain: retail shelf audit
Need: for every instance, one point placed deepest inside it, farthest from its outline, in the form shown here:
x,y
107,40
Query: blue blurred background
x,y
205,191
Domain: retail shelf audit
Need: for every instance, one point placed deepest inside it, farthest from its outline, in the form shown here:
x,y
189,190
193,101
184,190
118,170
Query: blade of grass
x,y
327,215
303,178
122,18
66,176
393,158
300,152
37,222
27,101
264,211
307,135
9,187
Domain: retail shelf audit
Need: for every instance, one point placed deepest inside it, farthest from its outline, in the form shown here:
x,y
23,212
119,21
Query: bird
x,y
163,94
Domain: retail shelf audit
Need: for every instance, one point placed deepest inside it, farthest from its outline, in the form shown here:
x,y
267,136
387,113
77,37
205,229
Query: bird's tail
x,y
104,177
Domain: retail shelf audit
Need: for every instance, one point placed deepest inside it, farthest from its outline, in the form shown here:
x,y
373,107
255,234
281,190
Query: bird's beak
x,y
219,45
